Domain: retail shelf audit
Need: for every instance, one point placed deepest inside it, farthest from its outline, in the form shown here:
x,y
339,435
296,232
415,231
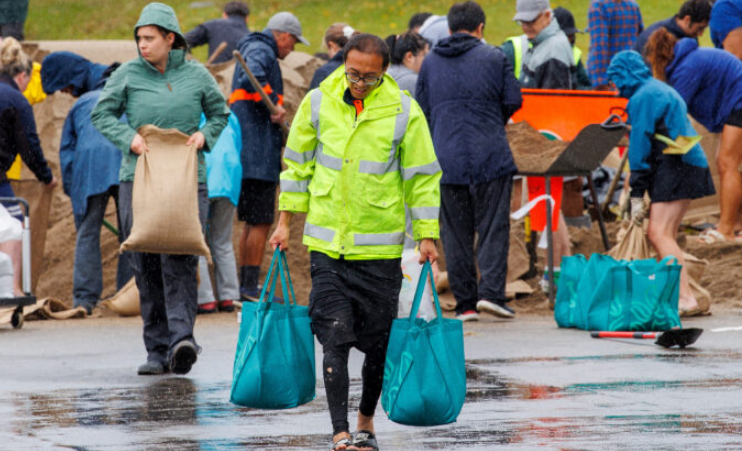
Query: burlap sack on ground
x,y
39,198
47,308
165,197
125,302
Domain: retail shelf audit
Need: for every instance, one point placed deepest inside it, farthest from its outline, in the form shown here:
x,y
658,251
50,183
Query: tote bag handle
x,y
425,275
279,267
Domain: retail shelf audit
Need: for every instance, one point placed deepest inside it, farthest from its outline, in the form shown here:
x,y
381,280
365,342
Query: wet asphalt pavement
x,y
73,385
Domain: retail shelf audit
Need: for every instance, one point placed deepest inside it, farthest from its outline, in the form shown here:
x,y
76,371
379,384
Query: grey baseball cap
x,y
288,23
529,10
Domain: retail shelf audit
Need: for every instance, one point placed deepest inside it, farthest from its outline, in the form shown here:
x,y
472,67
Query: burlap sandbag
x,y
165,197
46,308
125,302
632,246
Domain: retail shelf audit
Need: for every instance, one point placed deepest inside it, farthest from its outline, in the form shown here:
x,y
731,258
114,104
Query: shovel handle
x,y
639,335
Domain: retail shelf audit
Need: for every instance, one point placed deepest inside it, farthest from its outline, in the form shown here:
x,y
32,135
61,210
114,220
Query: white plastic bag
x,y
411,269
10,228
6,275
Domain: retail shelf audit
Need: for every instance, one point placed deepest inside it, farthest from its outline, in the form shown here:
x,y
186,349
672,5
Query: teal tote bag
x,y
274,362
425,373
577,285
640,295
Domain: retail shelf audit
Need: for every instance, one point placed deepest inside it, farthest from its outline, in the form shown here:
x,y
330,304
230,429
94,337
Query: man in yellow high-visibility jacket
x,y
358,151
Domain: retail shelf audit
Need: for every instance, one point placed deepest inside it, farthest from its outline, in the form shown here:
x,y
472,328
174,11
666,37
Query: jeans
x,y
484,210
87,283
219,236
167,287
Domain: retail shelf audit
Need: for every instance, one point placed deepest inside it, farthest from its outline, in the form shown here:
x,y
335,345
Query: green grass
x,y
114,19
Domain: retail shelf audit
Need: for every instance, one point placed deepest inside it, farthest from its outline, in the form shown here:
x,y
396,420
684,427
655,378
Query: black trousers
x,y
167,284
481,210
352,304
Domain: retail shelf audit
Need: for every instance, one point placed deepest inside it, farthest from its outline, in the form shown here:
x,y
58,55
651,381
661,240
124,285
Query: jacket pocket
x,y
320,189
381,196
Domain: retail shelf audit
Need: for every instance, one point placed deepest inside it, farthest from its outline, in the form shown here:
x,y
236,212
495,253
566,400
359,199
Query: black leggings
x,y
335,372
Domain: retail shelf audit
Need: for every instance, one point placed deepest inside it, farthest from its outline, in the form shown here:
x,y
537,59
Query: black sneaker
x,y
497,308
184,356
152,369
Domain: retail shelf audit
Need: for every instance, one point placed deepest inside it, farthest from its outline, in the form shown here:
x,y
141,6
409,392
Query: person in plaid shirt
x,y
613,25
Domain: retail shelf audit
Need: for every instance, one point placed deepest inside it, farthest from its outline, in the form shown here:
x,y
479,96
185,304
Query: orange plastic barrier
x,y
537,187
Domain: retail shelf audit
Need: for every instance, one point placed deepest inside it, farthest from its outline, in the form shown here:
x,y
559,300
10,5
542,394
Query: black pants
x,y
167,284
353,303
483,209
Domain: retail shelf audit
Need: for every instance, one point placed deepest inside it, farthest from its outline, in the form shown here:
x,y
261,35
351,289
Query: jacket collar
x,y
9,81
548,32
175,59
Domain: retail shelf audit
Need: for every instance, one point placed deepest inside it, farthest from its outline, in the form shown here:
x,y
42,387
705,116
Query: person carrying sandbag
x,y
358,151
162,89
670,178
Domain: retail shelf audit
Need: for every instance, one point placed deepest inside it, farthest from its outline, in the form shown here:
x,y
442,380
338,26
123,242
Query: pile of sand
x,y
532,151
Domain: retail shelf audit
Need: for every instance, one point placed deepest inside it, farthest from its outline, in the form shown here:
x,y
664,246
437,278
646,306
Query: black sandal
x,y
365,439
343,441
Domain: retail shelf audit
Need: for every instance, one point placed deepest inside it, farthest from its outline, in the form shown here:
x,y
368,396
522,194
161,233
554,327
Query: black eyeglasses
x,y
368,81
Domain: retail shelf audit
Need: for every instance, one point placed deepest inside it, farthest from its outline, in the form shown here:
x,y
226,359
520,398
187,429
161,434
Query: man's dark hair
x,y
367,43
698,10
418,20
237,9
465,16
179,43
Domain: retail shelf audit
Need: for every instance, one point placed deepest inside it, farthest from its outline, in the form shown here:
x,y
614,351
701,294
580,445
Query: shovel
x,y
674,337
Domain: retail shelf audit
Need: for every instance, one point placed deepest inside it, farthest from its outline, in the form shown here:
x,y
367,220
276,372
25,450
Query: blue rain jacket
x,y
223,166
653,107
709,80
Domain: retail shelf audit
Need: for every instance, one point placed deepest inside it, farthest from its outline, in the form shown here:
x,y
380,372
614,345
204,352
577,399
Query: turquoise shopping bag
x,y
425,374
577,283
640,295
274,362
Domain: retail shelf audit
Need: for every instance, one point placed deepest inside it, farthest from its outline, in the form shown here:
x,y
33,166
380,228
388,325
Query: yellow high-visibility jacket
x,y
353,173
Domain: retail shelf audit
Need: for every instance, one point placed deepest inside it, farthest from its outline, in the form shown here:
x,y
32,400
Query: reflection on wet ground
x,y
635,401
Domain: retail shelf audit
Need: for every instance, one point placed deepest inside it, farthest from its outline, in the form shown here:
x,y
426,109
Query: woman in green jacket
x,y
161,88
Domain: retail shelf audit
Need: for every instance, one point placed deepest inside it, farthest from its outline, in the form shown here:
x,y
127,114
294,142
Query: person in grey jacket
x,y
231,28
407,51
547,63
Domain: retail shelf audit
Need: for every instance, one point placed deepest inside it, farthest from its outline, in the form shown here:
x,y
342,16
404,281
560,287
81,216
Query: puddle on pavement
x,y
179,414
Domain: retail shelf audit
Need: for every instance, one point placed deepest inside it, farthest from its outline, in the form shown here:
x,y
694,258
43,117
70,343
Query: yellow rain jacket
x,y
352,171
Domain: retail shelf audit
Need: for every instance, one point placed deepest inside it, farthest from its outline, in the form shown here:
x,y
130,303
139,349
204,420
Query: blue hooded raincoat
x,y
653,107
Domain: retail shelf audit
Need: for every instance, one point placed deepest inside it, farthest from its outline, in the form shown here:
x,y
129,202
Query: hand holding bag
x,y
425,373
274,362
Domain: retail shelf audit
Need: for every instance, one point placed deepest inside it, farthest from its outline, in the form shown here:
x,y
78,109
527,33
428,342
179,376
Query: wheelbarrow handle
x,y
639,335
613,122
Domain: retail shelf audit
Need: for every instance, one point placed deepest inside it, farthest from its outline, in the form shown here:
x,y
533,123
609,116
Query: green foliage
x,y
114,19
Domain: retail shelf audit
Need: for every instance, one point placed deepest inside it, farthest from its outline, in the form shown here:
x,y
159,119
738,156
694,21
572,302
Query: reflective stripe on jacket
x,y
520,47
354,175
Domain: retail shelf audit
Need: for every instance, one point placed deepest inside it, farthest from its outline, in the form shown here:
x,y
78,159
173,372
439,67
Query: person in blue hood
x,y
710,82
72,74
90,166
671,181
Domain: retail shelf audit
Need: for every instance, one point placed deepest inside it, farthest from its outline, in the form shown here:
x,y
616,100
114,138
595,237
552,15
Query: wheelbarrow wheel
x,y
17,319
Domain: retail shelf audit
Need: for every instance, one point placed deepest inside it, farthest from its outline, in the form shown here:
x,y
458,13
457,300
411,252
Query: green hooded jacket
x,y
174,99
13,11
